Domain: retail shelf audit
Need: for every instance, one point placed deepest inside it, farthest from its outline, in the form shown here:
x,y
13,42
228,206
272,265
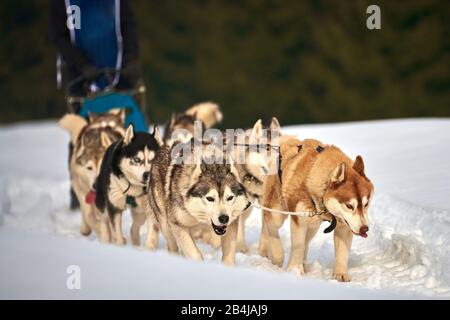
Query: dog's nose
x,y
146,175
223,218
363,229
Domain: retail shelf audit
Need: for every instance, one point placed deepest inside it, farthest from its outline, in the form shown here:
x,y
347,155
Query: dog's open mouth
x,y
362,234
219,230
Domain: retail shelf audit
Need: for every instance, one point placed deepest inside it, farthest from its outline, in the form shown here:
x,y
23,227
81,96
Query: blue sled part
x,y
114,100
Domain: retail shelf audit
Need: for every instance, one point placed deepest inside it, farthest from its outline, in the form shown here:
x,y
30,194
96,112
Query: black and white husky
x,y
123,181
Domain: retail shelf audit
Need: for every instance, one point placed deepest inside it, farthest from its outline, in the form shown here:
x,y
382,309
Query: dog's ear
x,y
338,174
91,117
120,113
81,148
157,135
231,167
173,119
123,115
256,133
105,140
196,173
203,166
129,134
358,166
275,125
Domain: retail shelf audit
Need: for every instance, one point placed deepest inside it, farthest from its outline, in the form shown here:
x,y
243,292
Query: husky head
x,y
264,148
88,153
216,197
348,196
137,151
90,141
180,128
115,118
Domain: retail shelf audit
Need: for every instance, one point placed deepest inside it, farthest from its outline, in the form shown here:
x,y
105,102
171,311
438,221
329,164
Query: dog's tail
x,y
208,112
74,124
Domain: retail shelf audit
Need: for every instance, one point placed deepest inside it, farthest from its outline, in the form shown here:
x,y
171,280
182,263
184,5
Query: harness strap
x,y
310,213
128,188
313,213
280,171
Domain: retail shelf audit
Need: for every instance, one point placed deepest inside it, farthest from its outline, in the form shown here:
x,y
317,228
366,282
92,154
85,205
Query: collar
x,y
319,149
128,187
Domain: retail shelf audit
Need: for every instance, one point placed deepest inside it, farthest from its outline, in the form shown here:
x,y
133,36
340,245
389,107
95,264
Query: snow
x,y
406,255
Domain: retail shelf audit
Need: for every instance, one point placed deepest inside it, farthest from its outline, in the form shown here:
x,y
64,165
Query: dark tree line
x,y
303,61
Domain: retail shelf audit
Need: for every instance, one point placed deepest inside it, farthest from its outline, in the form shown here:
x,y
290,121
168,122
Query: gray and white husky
x,y
184,196
260,153
255,155
89,142
123,182
182,125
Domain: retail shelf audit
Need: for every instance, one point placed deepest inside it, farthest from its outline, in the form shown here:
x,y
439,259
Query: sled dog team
x,y
192,190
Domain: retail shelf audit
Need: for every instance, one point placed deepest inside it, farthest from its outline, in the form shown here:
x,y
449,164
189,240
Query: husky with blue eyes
x,y
123,182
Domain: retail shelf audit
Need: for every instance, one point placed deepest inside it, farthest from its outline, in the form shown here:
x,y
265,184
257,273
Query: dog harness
x,y
310,213
131,200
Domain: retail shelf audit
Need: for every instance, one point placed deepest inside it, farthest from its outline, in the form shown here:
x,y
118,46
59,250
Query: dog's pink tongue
x,y
364,235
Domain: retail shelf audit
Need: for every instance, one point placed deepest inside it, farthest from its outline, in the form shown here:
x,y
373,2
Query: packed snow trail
x,y
408,248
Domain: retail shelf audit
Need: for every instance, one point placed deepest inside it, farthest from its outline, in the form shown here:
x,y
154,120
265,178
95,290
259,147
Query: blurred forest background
x,y
303,61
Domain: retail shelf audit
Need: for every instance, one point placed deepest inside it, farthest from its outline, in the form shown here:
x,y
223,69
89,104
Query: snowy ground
x,y
407,253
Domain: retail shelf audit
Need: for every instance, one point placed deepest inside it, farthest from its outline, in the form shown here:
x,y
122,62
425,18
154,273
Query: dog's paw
x,y
105,240
121,241
230,261
241,247
150,245
85,230
263,251
299,271
341,277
